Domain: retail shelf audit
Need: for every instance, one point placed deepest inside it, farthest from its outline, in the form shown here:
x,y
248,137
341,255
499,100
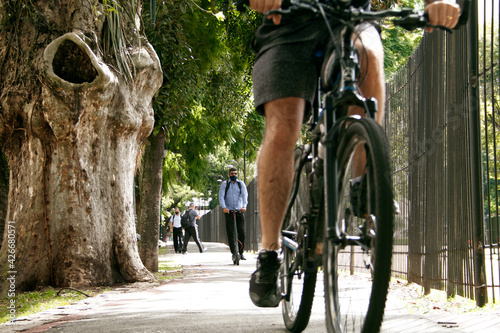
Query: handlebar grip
x,y
464,17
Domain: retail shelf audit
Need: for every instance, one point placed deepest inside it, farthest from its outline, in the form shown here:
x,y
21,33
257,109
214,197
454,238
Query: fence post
x,y
475,152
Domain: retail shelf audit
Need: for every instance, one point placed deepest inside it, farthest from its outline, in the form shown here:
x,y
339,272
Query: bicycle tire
x,y
357,305
298,274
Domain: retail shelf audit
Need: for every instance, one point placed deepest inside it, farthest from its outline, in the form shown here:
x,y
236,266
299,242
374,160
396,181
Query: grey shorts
x,y
288,60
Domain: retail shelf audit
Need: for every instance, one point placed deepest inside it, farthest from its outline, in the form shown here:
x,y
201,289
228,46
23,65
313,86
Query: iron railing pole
x,y
475,152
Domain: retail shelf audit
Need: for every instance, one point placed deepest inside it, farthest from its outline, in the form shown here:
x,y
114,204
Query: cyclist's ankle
x,y
270,246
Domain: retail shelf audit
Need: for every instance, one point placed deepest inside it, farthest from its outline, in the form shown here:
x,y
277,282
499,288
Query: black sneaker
x,y
242,257
358,196
264,281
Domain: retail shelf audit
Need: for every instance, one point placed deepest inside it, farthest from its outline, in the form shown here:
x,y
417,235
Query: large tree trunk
x,y
150,192
71,129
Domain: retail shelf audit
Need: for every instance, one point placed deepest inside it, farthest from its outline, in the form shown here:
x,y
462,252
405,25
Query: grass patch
x,y
168,271
36,301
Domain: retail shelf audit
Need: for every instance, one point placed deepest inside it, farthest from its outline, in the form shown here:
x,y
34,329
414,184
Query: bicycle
x,y
340,216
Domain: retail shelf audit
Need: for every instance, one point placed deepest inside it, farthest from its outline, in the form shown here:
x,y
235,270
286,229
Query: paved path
x,y
213,297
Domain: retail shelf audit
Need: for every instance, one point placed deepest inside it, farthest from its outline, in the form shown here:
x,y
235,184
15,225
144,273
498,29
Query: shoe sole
x,y
272,302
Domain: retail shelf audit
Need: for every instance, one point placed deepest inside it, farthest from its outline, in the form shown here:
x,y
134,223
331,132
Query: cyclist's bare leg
x,y
372,79
275,165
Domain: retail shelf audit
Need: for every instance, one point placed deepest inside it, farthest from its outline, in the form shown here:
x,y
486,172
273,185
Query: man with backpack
x,y
191,228
233,198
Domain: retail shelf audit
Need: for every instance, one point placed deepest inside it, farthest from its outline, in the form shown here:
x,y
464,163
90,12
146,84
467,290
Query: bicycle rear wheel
x,y
358,248
298,274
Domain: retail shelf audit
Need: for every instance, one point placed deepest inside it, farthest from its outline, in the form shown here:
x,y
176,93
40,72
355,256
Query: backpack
x,y
185,222
227,187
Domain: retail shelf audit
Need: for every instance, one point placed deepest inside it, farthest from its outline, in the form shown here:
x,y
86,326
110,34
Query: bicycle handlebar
x,y
406,18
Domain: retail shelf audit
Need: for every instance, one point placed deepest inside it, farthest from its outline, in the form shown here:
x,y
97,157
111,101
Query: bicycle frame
x,y
332,106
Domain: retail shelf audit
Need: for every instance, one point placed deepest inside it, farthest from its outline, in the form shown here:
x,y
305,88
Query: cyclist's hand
x,y
243,210
444,13
225,210
263,6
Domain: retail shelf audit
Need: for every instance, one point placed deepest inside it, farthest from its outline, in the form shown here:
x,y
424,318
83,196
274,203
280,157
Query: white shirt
x,y
176,219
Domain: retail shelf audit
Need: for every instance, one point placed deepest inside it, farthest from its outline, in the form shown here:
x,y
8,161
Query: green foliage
x,y
398,47
115,35
240,29
383,4
490,115
177,196
399,43
204,104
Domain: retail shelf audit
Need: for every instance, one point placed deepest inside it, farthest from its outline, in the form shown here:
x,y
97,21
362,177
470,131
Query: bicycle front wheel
x,y
358,245
298,274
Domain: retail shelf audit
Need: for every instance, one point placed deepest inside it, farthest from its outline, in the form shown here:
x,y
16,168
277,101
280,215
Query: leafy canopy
x,y
204,104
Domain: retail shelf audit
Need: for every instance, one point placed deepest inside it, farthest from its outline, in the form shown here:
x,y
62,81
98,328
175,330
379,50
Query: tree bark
x,y
150,192
71,127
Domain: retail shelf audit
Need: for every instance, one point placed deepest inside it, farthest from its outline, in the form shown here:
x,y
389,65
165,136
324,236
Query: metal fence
x,y
443,143
212,226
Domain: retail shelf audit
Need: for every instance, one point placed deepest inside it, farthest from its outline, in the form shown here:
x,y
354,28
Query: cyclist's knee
x,y
284,120
371,52
368,37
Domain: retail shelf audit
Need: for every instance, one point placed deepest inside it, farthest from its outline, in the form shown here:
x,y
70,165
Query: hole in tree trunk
x,y
72,64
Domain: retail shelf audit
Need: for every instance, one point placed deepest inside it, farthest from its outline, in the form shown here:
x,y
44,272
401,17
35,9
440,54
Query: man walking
x,y
192,230
175,226
233,198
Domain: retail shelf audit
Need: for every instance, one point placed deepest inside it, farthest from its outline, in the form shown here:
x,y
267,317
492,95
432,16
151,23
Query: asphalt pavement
x,y
212,296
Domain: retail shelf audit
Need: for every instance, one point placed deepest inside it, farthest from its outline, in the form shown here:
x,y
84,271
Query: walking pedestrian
x,y
233,198
175,226
192,229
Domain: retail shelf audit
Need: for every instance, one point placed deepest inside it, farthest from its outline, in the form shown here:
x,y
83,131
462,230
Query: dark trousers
x,y
191,231
240,227
177,234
